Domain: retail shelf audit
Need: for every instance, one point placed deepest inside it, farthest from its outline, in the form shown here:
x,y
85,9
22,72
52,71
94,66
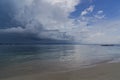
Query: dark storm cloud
x,y
7,14
35,19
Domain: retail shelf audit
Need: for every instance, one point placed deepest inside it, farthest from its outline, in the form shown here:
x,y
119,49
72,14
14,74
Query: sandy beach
x,y
109,71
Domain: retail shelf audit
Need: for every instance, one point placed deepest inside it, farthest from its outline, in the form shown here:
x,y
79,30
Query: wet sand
x,y
108,71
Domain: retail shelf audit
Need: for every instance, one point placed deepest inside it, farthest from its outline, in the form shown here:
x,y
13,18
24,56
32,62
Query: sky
x,y
83,21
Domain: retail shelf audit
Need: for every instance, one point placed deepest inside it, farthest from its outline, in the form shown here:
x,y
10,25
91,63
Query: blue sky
x,y
111,8
84,21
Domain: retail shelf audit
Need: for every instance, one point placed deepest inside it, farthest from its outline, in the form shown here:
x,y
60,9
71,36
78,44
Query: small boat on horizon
x,y
107,45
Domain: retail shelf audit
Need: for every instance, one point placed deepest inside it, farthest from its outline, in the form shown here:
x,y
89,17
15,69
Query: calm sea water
x,y
82,54
27,58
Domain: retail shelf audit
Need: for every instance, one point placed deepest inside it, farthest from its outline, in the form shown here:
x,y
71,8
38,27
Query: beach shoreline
x,y
105,71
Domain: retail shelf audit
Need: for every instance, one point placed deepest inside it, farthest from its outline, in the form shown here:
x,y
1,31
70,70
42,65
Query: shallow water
x,y
19,59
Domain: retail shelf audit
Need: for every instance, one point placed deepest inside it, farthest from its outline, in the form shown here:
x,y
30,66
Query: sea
x,y
28,59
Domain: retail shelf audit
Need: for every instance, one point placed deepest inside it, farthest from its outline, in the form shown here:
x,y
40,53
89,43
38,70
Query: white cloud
x,y
67,5
100,14
49,18
44,16
87,10
103,32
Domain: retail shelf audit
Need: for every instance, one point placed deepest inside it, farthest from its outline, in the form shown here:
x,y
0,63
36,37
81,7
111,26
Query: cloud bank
x,y
45,18
51,19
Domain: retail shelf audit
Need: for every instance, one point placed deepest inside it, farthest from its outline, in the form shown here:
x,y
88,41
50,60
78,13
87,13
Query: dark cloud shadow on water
x,y
23,53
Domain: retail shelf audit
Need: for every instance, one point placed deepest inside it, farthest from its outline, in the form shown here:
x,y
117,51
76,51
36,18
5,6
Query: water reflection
x,y
15,54
67,55
84,55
